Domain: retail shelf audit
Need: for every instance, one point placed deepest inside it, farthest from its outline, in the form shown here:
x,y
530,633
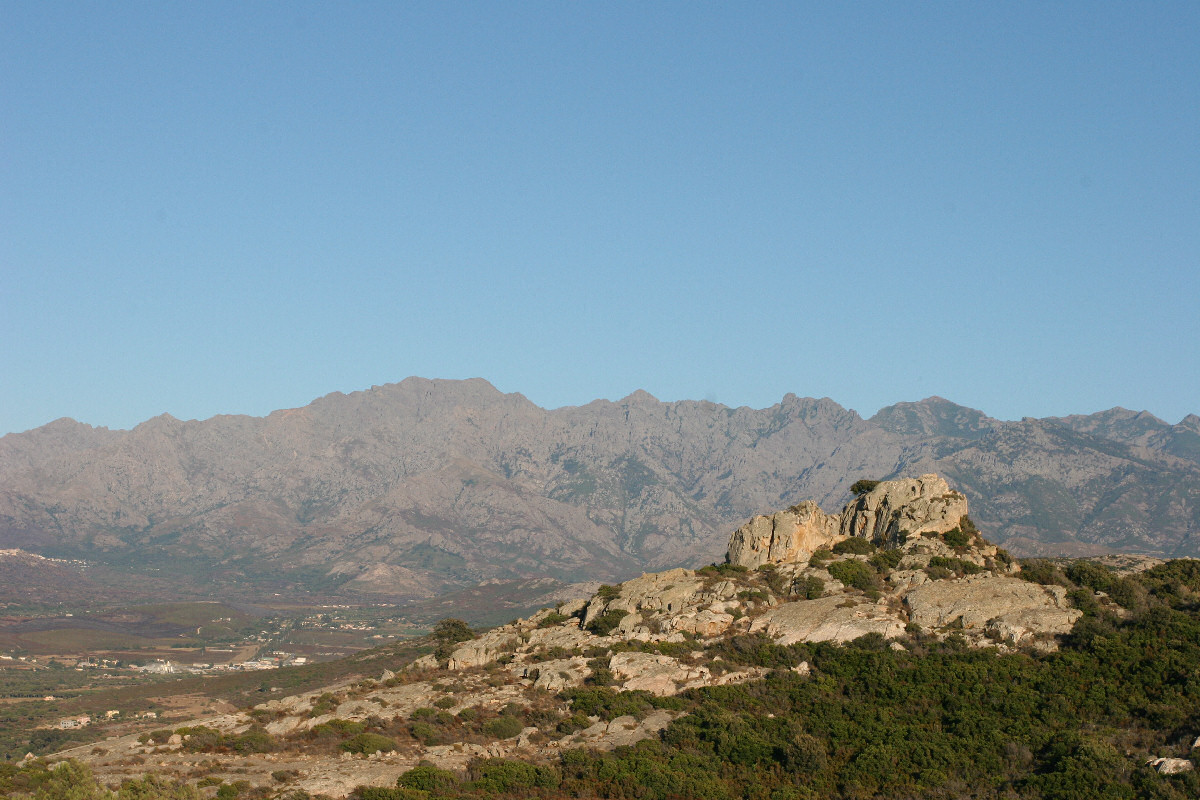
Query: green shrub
x,y
201,738
855,574
452,630
776,580
340,727
820,556
886,560
368,743
503,727
384,793
810,587
957,566
603,624
552,619
608,704
1096,577
1084,600
1037,570
424,733
500,775
855,545
862,486
1127,592
444,702
607,592
600,675
957,538
722,570
254,740
572,724
427,778
875,642
448,633
327,703
804,754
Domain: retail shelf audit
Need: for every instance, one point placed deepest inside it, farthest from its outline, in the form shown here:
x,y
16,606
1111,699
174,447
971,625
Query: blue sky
x,y
236,207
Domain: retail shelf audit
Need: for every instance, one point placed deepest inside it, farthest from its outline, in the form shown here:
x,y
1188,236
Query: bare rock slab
x,y
1015,609
828,619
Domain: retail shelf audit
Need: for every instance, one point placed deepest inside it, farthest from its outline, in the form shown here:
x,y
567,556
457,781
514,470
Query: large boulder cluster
x,y
890,513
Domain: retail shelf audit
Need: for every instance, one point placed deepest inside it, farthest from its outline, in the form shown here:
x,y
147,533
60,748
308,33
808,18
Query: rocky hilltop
x,y
886,513
421,487
896,565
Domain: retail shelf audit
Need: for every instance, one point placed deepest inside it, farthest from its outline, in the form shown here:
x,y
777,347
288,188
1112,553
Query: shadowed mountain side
x,y
421,486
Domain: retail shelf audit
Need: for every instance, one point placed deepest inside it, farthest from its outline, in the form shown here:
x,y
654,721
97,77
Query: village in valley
x,y
57,666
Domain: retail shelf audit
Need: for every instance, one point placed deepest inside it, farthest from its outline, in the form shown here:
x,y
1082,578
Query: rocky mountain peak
x,y
934,416
639,397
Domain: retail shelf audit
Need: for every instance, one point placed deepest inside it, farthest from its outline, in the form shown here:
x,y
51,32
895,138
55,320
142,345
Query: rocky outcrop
x,y
487,647
1171,766
784,537
895,510
829,619
555,675
664,675
887,514
666,591
623,731
1007,609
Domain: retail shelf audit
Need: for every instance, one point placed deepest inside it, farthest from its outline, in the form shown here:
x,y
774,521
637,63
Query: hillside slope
x,y
887,650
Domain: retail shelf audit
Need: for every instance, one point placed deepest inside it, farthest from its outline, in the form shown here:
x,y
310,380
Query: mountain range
x,y
425,486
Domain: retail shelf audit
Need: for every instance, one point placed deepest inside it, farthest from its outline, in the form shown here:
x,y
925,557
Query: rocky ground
x,y
914,566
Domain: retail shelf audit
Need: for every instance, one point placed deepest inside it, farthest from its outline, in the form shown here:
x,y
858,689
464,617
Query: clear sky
x,y
236,207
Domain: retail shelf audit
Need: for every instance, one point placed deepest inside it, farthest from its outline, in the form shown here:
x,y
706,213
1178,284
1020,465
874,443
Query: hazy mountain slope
x,y
1142,429
426,484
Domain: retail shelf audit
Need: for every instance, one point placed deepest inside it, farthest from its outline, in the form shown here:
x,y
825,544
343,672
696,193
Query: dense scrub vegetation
x,y
936,720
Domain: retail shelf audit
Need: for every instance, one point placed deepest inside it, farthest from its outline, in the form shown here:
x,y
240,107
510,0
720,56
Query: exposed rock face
x,y
1010,609
909,506
887,514
624,731
658,591
556,675
656,674
487,647
1171,766
783,537
828,619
